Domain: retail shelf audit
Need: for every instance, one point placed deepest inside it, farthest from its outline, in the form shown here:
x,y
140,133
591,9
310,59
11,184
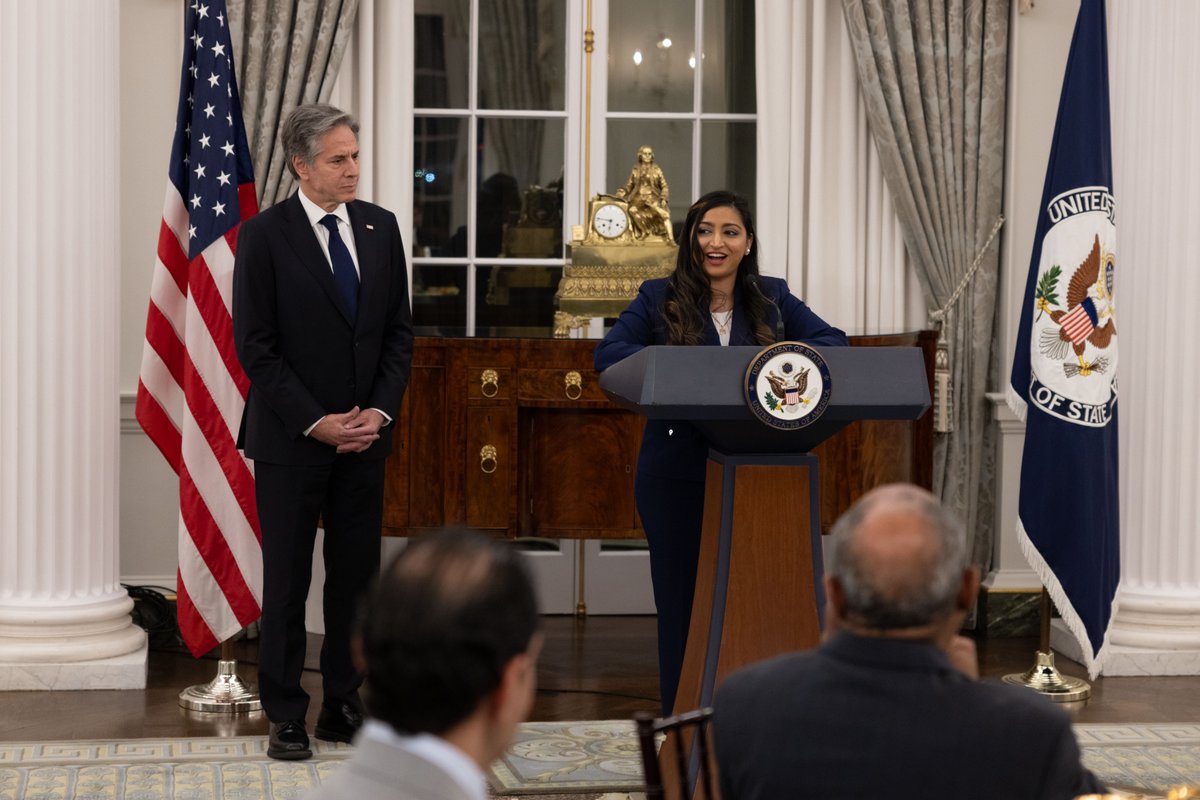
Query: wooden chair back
x,y
668,773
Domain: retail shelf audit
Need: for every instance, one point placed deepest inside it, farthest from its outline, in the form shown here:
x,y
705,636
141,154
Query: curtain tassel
x,y
943,389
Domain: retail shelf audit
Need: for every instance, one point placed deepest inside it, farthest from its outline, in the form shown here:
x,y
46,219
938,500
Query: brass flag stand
x,y
226,693
1043,677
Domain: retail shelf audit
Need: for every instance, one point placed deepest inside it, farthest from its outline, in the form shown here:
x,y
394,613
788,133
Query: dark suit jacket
x,y
864,717
294,337
673,449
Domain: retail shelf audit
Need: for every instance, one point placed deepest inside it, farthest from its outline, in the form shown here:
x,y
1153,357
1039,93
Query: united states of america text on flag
x,y
191,388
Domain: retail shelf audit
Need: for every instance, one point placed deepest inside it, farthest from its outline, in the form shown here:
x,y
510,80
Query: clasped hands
x,y
352,432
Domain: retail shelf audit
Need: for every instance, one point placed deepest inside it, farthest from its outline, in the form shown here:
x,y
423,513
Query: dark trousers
x,y
347,495
672,513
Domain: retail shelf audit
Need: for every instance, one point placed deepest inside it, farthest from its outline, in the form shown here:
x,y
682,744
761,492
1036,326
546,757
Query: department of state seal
x,y
787,386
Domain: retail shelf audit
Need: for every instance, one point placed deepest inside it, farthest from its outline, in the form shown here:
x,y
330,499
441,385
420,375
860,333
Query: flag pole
x,y
224,694
1043,677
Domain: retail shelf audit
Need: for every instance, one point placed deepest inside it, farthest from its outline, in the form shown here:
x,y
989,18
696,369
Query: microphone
x,y
779,333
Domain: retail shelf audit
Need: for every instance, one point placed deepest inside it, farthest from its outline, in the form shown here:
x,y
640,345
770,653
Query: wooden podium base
x,y
759,586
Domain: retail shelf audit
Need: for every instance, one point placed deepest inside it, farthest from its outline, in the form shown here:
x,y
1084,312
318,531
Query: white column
x,y
64,618
1155,71
1010,570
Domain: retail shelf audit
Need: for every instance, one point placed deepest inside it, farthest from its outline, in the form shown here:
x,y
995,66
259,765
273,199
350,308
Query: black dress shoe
x,y
338,722
288,741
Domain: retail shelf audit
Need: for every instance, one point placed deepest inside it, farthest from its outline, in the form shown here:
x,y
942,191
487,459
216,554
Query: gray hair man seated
x,y
890,704
449,647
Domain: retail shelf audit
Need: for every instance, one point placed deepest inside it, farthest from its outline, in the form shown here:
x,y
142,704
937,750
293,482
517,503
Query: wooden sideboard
x,y
514,436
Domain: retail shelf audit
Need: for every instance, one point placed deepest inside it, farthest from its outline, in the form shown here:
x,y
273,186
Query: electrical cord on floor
x,y
155,614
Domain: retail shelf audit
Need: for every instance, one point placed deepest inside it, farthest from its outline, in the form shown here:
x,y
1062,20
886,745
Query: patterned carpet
x,y
576,760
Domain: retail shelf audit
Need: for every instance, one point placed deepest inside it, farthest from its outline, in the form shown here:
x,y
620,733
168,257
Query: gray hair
x,y
304,127
899,595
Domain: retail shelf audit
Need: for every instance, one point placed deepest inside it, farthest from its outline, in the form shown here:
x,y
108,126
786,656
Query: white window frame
x,y
572,153
601,115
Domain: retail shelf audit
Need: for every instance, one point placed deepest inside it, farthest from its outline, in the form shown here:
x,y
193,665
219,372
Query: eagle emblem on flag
x,y
1089,316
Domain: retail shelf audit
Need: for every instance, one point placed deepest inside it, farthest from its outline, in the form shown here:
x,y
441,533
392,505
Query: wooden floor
x,y
596,668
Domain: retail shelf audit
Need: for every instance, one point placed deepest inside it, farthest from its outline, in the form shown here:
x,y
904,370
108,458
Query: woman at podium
x,y
715,297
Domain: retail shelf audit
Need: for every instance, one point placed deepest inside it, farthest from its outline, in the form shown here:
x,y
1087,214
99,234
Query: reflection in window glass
x,y
522,56
728,157
439,186
519,200
439,300
442,40
651,57
671,142
728,57
515,301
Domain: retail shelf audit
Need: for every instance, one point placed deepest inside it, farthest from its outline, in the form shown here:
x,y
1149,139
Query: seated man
x,y
449,649
889,705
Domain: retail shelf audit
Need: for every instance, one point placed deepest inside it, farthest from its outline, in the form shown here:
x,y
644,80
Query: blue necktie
x,y
344,273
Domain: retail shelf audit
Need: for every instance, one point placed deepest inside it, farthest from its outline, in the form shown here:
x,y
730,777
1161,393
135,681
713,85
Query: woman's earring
x,y
747,252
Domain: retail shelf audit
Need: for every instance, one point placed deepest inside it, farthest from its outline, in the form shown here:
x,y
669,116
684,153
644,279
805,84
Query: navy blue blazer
x,y
675,449
873,717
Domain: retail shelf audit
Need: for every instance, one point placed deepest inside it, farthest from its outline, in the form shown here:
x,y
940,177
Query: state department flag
x,y
1064,371
191,388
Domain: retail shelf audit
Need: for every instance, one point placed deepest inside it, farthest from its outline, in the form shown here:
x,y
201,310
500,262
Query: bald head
x,y
898,558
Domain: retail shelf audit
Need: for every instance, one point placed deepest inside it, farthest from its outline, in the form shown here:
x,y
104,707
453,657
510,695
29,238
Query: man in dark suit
x,y
449,647
890,705
323,330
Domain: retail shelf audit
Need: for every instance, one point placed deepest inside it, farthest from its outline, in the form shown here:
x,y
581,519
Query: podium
x,y
759,582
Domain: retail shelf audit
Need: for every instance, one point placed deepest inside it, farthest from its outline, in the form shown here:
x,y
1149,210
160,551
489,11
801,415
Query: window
x,y
696,111
497,144
488,153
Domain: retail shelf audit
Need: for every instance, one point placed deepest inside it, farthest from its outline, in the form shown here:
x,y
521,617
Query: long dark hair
x,y
689,295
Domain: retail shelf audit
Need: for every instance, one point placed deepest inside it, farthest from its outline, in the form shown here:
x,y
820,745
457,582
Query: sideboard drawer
x,y
489,383
566,386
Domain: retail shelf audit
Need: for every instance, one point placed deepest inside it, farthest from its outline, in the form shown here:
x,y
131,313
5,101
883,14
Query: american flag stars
x,y
212,159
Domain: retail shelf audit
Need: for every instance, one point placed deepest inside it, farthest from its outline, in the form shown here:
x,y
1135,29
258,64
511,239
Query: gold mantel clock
x,y
626,240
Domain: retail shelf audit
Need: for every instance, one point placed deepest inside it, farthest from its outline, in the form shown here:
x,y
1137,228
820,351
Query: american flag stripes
x,y
191,388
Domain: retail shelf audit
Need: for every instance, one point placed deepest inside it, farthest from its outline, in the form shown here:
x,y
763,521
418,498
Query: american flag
x,y
191,389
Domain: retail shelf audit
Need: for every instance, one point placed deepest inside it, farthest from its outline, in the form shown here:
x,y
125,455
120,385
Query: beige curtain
x,y
824,214
933,75
508,42
289,52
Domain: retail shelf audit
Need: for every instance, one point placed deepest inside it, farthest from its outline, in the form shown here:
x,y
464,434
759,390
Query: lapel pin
x,y
370,227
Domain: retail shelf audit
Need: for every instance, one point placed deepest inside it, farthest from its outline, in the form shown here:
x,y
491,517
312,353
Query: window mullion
x,y
697,100
472,163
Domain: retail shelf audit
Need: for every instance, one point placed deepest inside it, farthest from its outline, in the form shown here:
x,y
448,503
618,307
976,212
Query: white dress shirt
x,y
435,750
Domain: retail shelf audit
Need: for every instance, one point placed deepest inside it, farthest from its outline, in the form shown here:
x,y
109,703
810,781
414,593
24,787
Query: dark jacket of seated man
x,y
890,704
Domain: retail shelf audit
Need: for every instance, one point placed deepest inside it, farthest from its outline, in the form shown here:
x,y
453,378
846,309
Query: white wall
x,y
151,31
152,42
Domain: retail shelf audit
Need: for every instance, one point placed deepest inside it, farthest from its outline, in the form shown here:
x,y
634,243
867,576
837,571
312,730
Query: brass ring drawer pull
x,y
487,459
573,385
489,383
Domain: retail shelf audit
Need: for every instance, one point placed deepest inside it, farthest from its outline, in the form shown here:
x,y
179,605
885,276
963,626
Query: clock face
x,y
610,221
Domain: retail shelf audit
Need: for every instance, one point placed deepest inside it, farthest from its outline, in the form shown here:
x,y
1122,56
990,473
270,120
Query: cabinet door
x,y
491,467
579,470
427,447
